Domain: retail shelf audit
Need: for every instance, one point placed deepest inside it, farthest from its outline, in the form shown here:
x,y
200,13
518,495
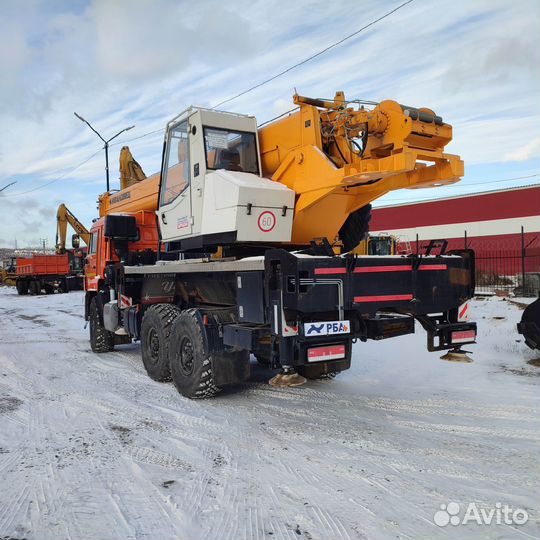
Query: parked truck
x,y
60,272
49,274
244,244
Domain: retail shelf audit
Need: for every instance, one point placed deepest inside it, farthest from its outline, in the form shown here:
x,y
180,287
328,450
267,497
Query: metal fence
x,y
504,272
509,266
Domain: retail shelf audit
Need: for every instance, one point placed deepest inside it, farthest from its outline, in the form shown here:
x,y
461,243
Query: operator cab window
x,y
176,175
230,150
381,246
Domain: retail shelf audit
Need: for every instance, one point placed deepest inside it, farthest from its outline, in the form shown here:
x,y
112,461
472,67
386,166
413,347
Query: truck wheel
x,y
155,339
49,289
191,367
22,287
101,340
35,287
355,228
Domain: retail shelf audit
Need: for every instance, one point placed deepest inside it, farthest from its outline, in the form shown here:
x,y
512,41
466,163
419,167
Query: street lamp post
x,y
10,184
106,142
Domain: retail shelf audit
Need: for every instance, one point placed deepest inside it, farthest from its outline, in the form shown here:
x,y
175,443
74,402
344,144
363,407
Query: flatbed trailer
x,y
49,273
199,320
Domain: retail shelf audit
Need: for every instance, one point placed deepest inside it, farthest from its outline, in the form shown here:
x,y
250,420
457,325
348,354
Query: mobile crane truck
x,y
242,244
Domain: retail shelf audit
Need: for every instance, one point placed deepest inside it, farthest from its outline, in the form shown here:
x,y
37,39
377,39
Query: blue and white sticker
x,y
326,328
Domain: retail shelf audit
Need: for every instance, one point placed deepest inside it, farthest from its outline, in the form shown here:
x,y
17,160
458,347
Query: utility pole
x,y
106,142
43,242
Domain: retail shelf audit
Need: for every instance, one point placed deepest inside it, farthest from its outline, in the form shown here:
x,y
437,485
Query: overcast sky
x,y
123,62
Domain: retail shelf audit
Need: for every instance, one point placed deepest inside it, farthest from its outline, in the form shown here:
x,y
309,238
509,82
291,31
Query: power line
x,y
326,49
459,184
302,62
63,175
139,137
413,201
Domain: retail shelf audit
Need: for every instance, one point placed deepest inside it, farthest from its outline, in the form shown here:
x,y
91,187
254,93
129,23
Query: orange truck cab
x,y
141,249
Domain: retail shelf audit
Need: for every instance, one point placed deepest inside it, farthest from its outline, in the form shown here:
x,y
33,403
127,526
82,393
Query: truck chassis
x,y
199,320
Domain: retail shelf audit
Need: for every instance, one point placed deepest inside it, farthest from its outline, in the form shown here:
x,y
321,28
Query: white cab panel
x,y
228,195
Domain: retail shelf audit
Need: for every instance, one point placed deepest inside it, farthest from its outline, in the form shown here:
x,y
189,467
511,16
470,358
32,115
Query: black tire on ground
x,y
62,286
355,228
263,359
191,365
49,289
155,340
34,287
101,340
22,287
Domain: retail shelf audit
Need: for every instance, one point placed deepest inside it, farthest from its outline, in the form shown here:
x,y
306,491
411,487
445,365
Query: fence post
x,y
523,260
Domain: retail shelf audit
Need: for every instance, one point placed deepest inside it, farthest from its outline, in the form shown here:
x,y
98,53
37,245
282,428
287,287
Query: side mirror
x,y
75,241
121,227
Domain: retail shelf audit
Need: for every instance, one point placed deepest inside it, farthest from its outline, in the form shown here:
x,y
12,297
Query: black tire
x,y
62,287
155,339
190,361
355,228
264,359
34,287
22,287
101,340
49,289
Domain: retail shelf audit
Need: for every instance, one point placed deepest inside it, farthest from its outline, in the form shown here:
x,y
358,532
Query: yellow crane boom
x,y
338,159
336,155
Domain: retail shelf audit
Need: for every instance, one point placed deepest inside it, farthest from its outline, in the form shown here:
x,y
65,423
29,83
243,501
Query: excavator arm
x,y
63,217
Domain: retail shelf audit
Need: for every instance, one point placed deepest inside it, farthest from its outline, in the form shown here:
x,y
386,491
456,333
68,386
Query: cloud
x,y
529,151
141,62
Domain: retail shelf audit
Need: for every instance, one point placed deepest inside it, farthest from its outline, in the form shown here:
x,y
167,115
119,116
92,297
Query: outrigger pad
x,y
283,380
456,355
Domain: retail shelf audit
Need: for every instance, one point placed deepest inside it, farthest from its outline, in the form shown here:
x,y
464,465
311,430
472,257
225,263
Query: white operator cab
x,y
211,189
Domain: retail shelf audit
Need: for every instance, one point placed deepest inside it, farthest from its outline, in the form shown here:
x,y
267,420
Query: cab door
x,y
175,214
91,278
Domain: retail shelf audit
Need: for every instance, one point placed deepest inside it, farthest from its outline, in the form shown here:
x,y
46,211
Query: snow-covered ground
x,y
91,448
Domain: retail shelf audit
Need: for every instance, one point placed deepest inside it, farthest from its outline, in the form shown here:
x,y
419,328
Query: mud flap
x,y
230,367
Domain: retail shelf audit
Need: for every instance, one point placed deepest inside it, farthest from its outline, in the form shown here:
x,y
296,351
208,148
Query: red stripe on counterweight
x,y
384,298
325,271
367,269
371,269
433,267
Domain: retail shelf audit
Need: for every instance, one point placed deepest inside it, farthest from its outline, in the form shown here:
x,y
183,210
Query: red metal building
x,y
489,222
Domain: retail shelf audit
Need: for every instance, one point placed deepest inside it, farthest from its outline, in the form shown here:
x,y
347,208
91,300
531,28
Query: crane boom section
x,y
338,159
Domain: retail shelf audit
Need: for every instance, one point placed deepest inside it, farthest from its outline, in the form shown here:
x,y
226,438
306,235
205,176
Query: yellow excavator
x,y
8,275
64,217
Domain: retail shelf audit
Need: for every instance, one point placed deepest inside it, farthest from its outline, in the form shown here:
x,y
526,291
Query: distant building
x,y
490,223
